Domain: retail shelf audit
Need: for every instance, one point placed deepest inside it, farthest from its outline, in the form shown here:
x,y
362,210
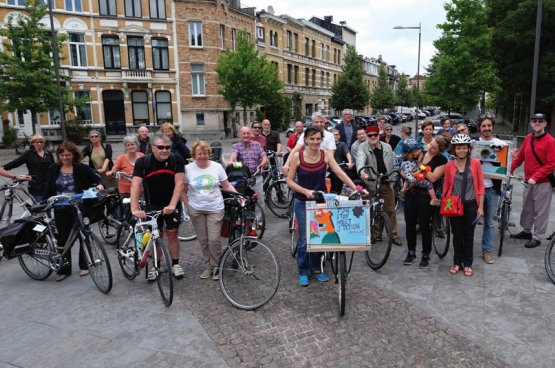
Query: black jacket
x,y
87,152
37,166
342,138
84,176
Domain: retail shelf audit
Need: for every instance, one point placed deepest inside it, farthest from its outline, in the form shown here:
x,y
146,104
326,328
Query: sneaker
x,y
151,276
216,274
321,277
522,235
425,262
435,202
303,280
206,274
410,258
488,258
178,271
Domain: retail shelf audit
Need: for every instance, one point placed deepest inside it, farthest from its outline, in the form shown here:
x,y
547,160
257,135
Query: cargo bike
x,y
339,225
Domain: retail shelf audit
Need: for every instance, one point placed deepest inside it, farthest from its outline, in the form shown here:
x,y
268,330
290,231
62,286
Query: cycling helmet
x,y
410,145
461,139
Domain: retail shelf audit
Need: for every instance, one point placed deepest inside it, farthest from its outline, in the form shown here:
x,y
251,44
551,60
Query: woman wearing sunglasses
x,y
100,157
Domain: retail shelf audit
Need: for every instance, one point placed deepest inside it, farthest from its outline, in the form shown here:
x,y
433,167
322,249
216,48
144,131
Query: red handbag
x,y
452,206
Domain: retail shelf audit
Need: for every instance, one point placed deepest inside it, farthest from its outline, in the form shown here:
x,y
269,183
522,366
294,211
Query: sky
x,y
374,21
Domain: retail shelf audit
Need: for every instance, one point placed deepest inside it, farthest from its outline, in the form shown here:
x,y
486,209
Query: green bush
x,y
10,135
77,132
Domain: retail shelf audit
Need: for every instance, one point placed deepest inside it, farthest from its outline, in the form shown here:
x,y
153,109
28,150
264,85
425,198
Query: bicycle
x,y
137,241
379,221
186,230
26,143
441,228
549,255
249,270
12,191
277,193
293,227
503,213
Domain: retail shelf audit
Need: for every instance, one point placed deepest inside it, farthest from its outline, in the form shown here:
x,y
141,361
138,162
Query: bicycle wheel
x,y
342,281
20,147
108,230
256,214
278,197
163,271
38,267
249,273
550,259
441,234
6,213
128,256
100,269
380,246
186,229
503,221
294,230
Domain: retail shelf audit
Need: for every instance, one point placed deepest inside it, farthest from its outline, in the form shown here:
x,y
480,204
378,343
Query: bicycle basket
x,y
15,237
95,208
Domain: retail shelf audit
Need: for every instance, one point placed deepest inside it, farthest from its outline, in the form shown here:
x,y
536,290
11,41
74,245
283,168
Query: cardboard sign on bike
x,y
496,160
337,226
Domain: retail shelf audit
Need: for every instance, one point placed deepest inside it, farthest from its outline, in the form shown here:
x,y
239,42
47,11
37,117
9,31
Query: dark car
x,y
395,119
457,118
370,119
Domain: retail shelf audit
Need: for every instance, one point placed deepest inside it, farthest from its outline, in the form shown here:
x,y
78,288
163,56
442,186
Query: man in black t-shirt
x,y
161,174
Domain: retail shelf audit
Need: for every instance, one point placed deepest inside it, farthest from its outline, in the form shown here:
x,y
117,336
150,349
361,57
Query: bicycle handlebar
x,y
379,175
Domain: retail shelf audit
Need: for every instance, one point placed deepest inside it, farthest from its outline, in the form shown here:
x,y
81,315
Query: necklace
x,y
312,158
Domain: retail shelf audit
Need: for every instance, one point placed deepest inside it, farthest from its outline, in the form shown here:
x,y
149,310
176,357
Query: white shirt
x,y
328,143
204,186
488,183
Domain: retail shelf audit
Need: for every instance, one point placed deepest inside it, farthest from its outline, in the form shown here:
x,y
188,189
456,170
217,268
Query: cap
x,y
372,129
538,116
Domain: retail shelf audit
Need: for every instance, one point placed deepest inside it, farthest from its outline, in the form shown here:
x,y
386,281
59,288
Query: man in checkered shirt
x,y
252,154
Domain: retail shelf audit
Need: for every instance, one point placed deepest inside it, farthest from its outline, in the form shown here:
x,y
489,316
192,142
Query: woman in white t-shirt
x,y
205,204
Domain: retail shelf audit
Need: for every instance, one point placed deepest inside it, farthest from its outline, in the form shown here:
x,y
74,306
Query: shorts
x,y
170,222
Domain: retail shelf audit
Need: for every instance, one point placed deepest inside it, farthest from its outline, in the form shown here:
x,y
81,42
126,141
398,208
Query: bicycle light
x,y
86,221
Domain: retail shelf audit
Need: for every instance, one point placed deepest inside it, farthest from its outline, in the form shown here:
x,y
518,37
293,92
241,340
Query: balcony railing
x,y
137,74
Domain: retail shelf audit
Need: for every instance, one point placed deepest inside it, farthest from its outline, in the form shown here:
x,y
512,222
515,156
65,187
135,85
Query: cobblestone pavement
x,y
399,316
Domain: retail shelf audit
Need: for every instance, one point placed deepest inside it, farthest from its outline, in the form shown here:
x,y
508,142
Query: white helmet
x,y
461,139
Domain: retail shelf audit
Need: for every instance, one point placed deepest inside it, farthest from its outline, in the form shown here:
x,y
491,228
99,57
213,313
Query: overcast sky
x,y
374,21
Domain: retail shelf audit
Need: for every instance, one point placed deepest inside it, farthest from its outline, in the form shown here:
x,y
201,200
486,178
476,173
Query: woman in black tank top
x,y
310,166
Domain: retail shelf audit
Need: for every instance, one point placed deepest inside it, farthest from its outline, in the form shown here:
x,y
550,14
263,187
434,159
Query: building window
x,y
110,47
84,113
163,107
136,50
197,77
313,48
133,8
160,54
77,49
327,53
335,56
306,46
322,80
140,107
74,5
339,57
195,34
296,42
54,117
306,76
157,9
233,38
328,78
289,40
273,38
260,33
222,36
296,74
16,2
200,120
289,73
108,7
322,51
313,77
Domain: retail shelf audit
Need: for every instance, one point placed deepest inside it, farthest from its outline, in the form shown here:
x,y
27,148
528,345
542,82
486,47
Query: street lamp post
x,y
419,28
536,60
57,66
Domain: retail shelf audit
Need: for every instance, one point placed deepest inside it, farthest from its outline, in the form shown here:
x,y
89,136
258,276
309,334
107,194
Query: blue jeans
x,y
490,207
306,262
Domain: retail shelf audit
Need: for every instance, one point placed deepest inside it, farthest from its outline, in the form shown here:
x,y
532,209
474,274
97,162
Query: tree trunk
x,y
33,121
244,116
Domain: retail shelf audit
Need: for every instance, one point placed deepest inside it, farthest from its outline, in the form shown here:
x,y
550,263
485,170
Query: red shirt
x,y
260,139
292,141
545,149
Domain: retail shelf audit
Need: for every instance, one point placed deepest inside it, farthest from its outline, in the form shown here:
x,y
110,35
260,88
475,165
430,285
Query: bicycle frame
x,y
11,193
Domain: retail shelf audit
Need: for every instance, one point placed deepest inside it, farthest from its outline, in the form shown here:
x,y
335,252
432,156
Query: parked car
x,y
395,119
370,119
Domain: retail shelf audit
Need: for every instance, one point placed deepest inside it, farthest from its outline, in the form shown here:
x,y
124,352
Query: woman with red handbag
x,y
463,201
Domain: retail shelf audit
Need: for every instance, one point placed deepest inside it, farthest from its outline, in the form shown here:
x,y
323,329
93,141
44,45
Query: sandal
x,y
455,269
468,271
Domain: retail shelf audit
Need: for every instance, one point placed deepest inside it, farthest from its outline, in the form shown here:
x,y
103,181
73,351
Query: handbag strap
x,y
534,151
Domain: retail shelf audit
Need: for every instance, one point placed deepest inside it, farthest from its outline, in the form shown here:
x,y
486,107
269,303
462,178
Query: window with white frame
x,y
306,46
222,36
140,107
260,33
157,9
200,120
163,106
195,34
54,117
273,38
84,113
16,2
108,7
160,54
295,42
233,38
136,50
133,8
74,5
322,51
289,40
197,79
77,49
110,48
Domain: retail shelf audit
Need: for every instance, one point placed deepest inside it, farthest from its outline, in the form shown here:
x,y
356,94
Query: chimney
x,y
328,18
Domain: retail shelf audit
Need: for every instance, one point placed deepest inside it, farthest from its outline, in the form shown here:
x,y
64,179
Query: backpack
x,y
148,160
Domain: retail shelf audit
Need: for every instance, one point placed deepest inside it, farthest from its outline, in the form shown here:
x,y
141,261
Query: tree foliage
x,y
246,77
278,110
383,96
462,68
27,78
349,91
404,95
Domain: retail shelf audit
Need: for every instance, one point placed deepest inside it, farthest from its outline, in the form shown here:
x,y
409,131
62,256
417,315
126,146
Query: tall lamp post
x,y
536,60
419,28
57,66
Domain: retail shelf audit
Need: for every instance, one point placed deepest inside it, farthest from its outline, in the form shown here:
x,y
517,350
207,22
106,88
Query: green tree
x,y
246,77
403,94
349,91
383,96
278,110
27,78
462,69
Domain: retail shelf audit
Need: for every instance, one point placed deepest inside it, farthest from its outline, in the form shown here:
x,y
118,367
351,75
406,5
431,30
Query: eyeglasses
x,y
167,148
372,135
389,129
94,136
40,142
257,127
65,156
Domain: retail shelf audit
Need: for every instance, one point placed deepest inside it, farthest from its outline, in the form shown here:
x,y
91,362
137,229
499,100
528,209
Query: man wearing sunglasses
x,y
257,134
486,123
380,156
161,174
538,155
